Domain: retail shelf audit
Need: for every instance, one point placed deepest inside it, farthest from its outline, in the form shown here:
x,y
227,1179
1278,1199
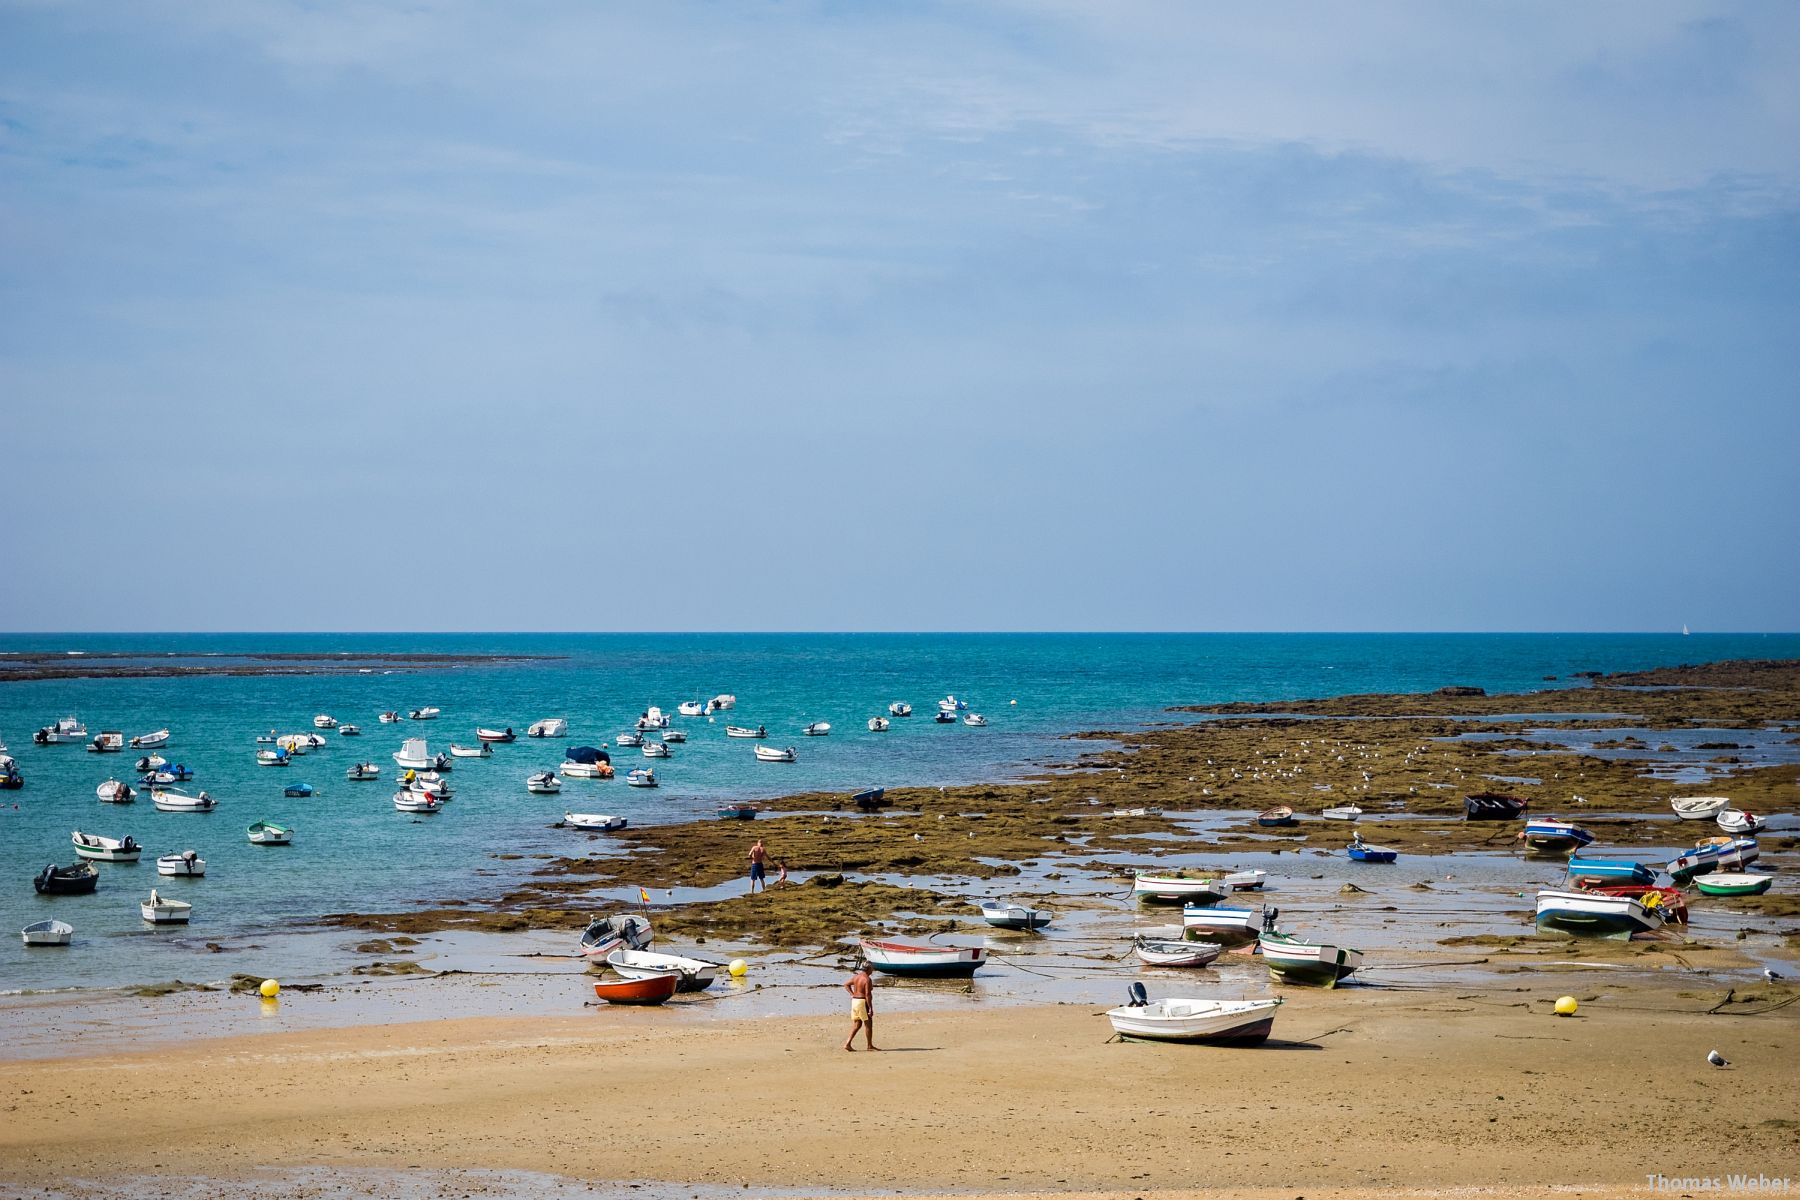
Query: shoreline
x,y
34,666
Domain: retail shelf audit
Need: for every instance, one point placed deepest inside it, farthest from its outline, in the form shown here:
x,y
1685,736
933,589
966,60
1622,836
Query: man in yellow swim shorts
x,y
862,1006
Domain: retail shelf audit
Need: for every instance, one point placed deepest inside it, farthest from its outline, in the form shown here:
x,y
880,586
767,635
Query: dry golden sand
x,y
1362,1094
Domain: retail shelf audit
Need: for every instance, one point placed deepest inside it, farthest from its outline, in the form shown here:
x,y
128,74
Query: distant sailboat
x,y
1684,629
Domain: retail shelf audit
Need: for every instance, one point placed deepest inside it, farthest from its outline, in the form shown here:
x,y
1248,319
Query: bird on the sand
x,y
1716,1059
1771,974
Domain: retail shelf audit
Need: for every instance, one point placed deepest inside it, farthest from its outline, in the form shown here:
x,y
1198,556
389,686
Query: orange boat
x,y
652,989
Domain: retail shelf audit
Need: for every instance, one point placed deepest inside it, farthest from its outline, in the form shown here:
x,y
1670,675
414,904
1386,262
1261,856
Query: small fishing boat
x,y
1669,899
1594,914
267,833
1699,808
69,729
975,719
1158,952
817,729
691,708
945,718
1493,806
173,773
899,708
1279,817
76,879
150,741
1292,960
1733,820
349,731
653,718
424,714
950,704
1246,881
721,702
630,741
692,974
1547,835
409,801
644,777
656,750
160,910
295,743
187,864
878,724
772,754
1343,812
500,736
105,849
48,933
390,718
1149,887
674,736
150,762
603,935
428,781
740,731
414,756
1361,851
933,962
543,783
107,741
360,772
738,812
297,791
115,792
869,799
478,750
1611,870
47,736
1233,1022
549,727
1004,914
1734,883
325,721
649,988
1713,854
597,769
593,822
176,800
10,779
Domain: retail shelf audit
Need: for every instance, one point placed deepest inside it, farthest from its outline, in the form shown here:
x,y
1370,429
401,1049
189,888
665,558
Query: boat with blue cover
x,y
298,791
1547,835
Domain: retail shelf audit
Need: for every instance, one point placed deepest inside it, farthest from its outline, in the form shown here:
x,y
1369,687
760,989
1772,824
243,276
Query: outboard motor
x,y
1269,915
1138,996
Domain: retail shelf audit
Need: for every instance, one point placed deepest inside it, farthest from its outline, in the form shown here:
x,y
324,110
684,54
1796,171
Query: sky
x,y
827,316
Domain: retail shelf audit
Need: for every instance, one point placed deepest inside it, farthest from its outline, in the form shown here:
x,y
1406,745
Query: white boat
x,y
107,741
414,755
674,736
151,762
150,741
691,708
1246,881
878,724
390,718
1224,923
424,714
899,708
927,962
1163,888
159,910
325,721
772,754
1344,812
950,704
69,729
362,771
1699,808
105,849
721,702
186,864
657,750
115,792
271,758
1159,952
48,933
267,833
631,741
740,731
817,729
975,719
593,822
1003,914
1294,960
176,800
549,727
653,718
1596,914
415,802
544,783
695,974
1180,1019
1733,820
294,743
478,750
429,782
603,935
349,731
46,736
585,770
643,777
500,736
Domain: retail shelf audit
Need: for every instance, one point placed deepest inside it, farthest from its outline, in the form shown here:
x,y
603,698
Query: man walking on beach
x,y
759,861
862,1006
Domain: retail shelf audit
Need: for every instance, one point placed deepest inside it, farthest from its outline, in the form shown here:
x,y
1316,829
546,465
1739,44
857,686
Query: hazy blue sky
x,y
857,316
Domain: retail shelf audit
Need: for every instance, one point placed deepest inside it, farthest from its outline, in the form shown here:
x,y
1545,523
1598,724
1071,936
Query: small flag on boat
x,y
643,895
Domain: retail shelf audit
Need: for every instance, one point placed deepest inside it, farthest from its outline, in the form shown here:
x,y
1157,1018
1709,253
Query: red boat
x,y
652,989
1669,899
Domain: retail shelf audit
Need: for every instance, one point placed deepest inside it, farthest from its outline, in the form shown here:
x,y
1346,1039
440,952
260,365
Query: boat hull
x,y
924,962
1239,1023
1735,884
1169,889
1313,964
1590,914
650,989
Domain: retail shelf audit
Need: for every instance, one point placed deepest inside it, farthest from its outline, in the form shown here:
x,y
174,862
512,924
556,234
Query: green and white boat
x,y
1745,884
267,833
1292,960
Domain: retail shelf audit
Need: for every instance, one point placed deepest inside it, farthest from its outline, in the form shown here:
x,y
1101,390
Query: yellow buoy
x,y
269,989
1566,1006
738,968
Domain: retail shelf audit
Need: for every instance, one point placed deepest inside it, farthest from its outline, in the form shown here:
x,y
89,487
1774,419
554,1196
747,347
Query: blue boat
x,y
1732,854
1361,851
1547,835
1623,869
298,790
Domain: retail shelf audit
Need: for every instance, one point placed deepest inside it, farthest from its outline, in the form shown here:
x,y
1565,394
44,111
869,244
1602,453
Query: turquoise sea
x,y
353,851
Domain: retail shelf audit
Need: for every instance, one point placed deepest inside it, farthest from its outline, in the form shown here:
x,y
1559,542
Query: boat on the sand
x,y
1184,1019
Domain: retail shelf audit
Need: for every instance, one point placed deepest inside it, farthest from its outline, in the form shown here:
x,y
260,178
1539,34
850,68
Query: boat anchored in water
x,y
176,800
160,910
185,864
48,933
593,822
267,833
105,849
772,754
543,783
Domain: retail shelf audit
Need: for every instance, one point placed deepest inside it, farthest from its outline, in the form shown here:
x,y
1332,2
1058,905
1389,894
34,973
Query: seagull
x,y
1716,1059
1771,974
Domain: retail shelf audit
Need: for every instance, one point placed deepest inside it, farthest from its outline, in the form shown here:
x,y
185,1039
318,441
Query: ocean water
x,y
353,851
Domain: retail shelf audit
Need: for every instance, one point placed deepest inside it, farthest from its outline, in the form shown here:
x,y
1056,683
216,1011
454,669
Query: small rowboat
x,y
361,772
878,724
424,714
899,708
176,800
771,754
549,727
390,718
325,721
1361,851
1278,817
1291,960
674,737
651,988
1594,914
1699,808
544,783
494,735
817,729
105,849
76,879
975,720
115,792
150,762
1003,914
692,974
267,833
478,750
1246,881
1343,812
643,777
1151,888
572,769
869,799
1732,820
1546,835
48,933
593,822
349,731
738,812
1493,806
1670,899
271,758
416,802
1237,1022
630,741
603,935
924,962
107,741
656,750
1735,884
1713,854
1612,870
159,910
149,741
739,731
1156,952
187,864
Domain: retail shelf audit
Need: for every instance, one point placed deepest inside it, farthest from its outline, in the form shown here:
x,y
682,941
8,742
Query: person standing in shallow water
x,y
862,1007
759,866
